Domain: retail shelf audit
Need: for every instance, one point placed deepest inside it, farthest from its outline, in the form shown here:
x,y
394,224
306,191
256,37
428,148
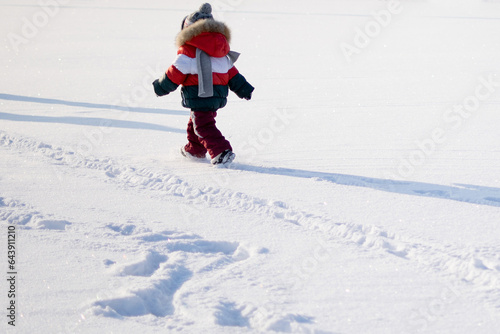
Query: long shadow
x,y
459,192
89,121
20,98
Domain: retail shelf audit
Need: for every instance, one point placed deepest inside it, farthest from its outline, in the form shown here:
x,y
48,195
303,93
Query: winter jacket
x,y
213,38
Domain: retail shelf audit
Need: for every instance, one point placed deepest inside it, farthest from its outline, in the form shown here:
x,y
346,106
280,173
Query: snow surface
x,y
364,198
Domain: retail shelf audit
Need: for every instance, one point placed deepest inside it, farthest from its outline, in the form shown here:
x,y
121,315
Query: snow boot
x,y
191,156
224,159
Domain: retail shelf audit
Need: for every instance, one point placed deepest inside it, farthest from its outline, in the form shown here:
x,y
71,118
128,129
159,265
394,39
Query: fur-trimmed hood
x,y
200,27
208,35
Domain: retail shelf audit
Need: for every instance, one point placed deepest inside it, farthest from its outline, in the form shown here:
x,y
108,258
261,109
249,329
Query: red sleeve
x,y
175,75
232,72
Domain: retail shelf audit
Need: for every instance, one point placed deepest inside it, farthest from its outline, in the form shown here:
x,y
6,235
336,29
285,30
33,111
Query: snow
x,y
364,198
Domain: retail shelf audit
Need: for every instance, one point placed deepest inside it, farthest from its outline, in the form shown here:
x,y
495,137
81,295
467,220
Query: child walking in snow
x,y
205,68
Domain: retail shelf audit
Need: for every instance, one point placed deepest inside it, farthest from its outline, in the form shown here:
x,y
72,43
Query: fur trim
x,y
200,27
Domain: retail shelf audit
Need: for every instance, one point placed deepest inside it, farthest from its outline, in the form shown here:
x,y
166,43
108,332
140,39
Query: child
x,y
204,68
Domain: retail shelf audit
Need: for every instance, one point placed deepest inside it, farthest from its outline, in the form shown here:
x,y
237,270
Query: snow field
x,y
364,199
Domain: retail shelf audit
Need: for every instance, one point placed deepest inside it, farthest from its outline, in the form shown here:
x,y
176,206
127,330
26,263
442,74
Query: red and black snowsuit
x,y
213,38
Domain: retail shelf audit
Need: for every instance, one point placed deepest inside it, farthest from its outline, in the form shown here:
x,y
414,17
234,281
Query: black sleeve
x,y
164,86
241,87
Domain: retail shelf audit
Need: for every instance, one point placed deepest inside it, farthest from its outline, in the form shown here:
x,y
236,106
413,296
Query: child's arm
x,y
164,86
169,81
239,85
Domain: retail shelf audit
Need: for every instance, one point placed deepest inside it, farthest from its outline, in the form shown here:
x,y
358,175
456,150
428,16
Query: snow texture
x,y
364,198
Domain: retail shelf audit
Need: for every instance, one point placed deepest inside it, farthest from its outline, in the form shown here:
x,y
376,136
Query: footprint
x,y
398,251
167,235
156,237
288,323
145,267
479,264
48,224
108,262
228,314
241,254
127,229
156,299
170,260
113,172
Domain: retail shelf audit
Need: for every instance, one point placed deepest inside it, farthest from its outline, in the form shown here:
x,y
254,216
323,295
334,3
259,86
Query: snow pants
x,y
203,135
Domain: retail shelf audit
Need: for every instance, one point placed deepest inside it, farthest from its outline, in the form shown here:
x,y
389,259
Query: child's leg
x,y
208,134
194,147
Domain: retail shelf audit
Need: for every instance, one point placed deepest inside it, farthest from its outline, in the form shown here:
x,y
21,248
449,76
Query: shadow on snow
x,y
458,192
30,99
88,121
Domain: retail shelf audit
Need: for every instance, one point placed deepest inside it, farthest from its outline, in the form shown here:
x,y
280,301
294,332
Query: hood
x,y
211,36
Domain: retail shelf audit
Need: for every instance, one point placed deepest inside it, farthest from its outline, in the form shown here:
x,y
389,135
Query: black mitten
x,y
248,97
159,91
